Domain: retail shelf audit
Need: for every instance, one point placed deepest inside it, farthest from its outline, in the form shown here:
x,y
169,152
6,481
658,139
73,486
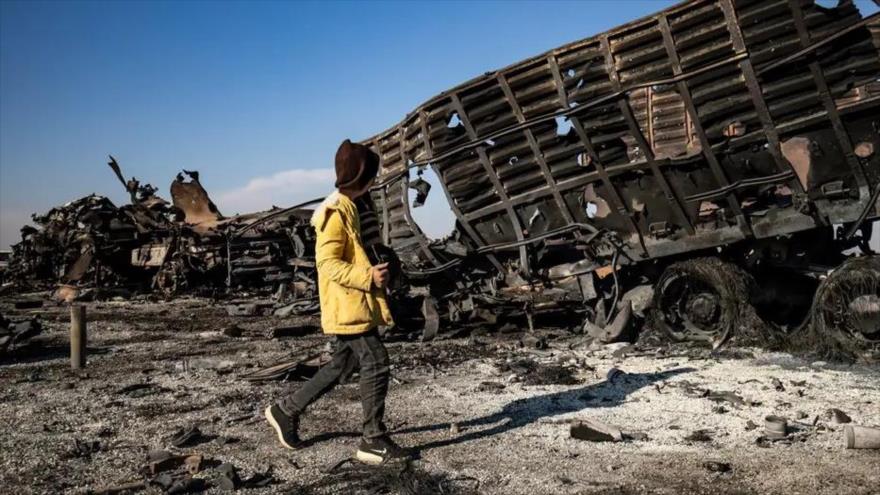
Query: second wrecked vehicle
x,y
721,151
151,245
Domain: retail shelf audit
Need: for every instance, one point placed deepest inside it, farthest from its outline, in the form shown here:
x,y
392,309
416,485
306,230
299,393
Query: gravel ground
x,y
487,414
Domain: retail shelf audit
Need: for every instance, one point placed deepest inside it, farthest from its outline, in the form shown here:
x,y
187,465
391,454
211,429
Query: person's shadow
x,y
522,412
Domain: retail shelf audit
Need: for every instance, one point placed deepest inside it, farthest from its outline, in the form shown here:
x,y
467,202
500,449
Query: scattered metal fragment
x,y
533,342
186,436
84,448
159,461
491,387
595,431
226,478
16,334
775,427
141,389
293,370
861,437
717,466
232,331
220,365
777,385
699,436
838,416
292,331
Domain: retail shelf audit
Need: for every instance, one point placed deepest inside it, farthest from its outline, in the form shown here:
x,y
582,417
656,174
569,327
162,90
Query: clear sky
x,y
256,96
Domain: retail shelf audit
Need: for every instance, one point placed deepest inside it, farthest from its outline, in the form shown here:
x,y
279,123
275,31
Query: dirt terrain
x,y
489,413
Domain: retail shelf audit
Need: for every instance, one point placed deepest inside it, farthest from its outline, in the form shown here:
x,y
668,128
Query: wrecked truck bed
x,y
699,148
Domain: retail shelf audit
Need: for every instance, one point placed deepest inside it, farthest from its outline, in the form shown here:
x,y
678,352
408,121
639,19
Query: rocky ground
x,y
489,414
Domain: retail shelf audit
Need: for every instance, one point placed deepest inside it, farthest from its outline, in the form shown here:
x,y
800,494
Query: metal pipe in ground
x,y
78,336
861,437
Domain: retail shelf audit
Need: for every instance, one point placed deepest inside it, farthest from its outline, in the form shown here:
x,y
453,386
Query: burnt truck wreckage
x,y
150,245
722,151
713,161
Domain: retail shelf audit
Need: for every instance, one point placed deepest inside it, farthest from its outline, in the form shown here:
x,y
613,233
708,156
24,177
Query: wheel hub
x,y
703,309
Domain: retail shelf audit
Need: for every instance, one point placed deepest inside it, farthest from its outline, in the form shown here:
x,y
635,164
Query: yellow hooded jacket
x,y
350,303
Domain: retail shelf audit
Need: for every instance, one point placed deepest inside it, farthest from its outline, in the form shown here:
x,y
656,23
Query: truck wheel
x,y
701,299
846,307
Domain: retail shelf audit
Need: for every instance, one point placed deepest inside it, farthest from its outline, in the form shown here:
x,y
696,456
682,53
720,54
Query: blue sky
x,y
256,96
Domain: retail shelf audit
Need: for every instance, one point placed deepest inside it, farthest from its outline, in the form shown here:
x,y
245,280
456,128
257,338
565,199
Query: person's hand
x,y
381,275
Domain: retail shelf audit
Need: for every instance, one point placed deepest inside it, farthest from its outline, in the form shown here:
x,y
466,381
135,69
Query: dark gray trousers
x,y
365,350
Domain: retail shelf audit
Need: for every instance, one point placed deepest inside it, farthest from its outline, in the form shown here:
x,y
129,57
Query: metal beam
x,y
636,132
748,71
616,198
496,182
691,109
465,223
423,241
827,101
536,150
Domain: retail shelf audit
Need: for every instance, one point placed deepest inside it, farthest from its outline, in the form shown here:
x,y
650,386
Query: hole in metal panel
x,y
434,217
563,126
454,121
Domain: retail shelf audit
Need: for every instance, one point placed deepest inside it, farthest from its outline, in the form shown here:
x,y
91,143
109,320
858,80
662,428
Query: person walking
x,y
351,292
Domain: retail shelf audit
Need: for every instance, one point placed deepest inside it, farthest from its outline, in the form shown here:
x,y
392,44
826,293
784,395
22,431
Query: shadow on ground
x,y
522,412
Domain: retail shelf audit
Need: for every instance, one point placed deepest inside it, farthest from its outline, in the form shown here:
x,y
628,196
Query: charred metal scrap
x,y
16,334
151,245
705,150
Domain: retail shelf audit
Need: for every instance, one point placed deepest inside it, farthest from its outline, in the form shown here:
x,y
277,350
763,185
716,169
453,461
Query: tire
x,y
703,299
846,308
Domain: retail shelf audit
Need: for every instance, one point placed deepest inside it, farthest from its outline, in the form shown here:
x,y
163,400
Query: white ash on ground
x,y
468,405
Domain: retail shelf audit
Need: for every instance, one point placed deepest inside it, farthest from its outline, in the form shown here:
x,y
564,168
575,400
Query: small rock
x,y
454,428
